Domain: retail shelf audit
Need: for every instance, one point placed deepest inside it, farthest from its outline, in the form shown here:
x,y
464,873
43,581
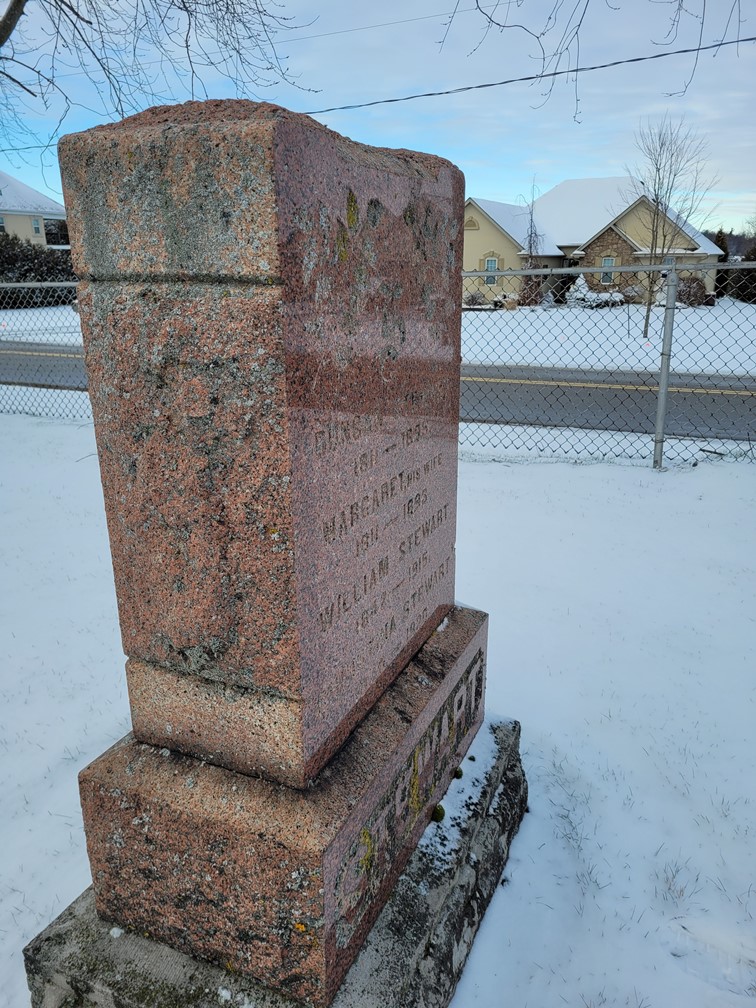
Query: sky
x,y
512,140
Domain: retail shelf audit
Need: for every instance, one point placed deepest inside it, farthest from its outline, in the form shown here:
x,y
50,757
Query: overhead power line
x,y
478,87
289,40
532,77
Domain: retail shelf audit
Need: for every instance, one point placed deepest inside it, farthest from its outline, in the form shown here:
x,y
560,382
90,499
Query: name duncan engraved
x,y
387,832
338,433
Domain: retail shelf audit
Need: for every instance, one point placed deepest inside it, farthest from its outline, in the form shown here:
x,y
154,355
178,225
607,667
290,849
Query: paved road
x,y
42,365
698,405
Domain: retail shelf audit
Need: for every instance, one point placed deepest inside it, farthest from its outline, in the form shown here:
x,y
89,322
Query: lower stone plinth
x,y
275,883
413,956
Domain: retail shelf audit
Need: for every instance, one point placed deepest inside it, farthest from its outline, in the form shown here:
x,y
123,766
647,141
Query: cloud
x,y
502,137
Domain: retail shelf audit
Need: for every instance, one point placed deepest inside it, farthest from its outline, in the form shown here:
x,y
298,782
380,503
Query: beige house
x,y
23,210
498,237
604,222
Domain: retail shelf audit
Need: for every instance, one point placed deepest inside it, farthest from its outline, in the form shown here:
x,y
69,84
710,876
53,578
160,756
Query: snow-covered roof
x,y
515,219
704,244
577,210
17,197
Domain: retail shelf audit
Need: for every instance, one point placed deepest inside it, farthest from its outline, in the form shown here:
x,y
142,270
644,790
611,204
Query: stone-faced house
x,y
23,211
603,222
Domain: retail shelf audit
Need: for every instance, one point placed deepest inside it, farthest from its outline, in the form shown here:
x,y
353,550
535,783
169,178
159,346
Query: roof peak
x,y
18,197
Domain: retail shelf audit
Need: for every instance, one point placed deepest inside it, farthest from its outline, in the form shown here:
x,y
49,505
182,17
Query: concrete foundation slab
x,y
413,956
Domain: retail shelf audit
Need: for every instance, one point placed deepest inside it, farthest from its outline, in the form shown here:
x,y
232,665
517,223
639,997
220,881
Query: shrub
x,y
474,299
743,282
634,294
691,291
24,262
581,296
509,301
531,291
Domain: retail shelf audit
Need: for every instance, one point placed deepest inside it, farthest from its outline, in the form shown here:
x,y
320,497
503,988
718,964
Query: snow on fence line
x,y
591,339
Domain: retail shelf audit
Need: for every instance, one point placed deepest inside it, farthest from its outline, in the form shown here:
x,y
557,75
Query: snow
x,y
515,221
716,340
622,636
561,336
57,324
517,442
17,197
45,402
576,210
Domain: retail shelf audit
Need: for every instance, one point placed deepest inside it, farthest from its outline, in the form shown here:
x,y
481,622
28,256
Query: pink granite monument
x,y
271,326
271,322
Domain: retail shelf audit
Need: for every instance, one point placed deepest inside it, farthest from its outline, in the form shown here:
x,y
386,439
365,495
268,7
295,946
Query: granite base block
x,y
413,956
279,884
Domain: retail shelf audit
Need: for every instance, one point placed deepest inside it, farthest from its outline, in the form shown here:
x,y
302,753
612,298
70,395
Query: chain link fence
x,y
570,362
555,363
41,355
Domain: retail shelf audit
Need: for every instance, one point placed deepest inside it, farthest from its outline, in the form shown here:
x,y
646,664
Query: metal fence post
x,y
666,356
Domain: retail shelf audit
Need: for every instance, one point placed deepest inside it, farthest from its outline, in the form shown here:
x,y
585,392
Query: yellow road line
x,y
42,353
606,385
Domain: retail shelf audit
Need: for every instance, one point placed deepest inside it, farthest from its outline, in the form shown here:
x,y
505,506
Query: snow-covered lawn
x,y
623,636
57,324
718,340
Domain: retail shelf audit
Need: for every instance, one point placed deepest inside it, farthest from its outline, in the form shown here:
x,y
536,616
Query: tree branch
x,y
18,83
9,20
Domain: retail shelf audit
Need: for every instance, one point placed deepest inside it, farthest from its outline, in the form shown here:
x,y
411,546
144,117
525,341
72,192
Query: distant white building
x,y
23,211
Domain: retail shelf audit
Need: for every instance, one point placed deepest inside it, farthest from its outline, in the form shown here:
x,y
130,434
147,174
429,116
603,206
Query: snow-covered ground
x,y
716,340
57,324
623,637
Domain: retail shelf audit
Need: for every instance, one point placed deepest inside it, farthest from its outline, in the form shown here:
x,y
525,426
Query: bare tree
x,y
531,291
554,29
134,53
670,182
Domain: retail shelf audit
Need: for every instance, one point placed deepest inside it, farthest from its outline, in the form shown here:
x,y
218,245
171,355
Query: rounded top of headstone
x,y
218,188
210,112
218,113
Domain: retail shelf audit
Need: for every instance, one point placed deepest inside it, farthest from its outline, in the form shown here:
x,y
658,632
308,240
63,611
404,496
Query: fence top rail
x,y
46,283
576,270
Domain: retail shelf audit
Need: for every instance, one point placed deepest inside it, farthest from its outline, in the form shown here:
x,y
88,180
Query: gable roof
x,y
577,210
17,197
514,219
704,244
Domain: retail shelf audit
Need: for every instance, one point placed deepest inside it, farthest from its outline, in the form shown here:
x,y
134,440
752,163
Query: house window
x,y
606,278
2,225
36,225
491,266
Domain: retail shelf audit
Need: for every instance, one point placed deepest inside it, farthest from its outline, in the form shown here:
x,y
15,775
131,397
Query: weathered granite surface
x,y
273,882
413,955
271,320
